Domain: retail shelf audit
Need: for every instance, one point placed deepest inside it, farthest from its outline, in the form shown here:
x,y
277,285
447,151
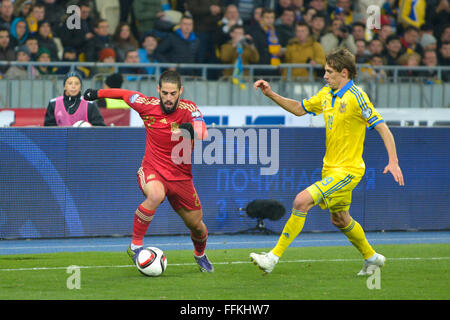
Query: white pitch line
x,y
224,263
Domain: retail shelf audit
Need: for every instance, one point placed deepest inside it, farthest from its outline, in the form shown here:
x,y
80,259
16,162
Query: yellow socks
x,y
355,234
294,226
291,229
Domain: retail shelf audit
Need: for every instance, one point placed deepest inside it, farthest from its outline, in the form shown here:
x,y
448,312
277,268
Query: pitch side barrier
x,y
81,182
205,85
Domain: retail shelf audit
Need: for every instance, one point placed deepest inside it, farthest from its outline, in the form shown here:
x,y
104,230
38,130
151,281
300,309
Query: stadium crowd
x,y
236,32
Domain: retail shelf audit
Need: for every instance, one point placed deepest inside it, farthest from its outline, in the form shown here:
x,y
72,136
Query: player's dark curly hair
x,y
170,76
340,59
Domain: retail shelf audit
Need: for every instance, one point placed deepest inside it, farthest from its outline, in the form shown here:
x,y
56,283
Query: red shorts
x,y
180,193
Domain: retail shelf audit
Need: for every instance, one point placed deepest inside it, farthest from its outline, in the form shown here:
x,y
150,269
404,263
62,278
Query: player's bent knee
x,y
196,225
154,199
303,201
340,219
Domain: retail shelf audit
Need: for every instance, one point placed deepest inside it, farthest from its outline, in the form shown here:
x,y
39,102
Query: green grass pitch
x,y
415,271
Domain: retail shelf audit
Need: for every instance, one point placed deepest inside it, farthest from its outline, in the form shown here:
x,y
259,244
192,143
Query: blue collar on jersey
x,y
344,89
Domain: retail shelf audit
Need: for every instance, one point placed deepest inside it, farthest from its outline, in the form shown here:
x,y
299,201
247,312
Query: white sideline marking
x,y
222,263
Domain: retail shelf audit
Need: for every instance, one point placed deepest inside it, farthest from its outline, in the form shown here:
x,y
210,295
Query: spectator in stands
x,y
430,59
70,108
444,60
411,13
445,35
426,29
359,31
280,6
339,36
285,27
22,8
147,12
409,59
124,40
106,55
303,49
206,15
33,45
393,50
6,52
372,73
36,15
54,10
266,41
438,15
385,31
309,14
318,24
428,41
376,47
22,72
45,39
44,55
78,38
131,57
344,8
19,32
362,54
319,5
246,10
148,53
71,55
230,18
338,13
239,50
101,40
182,45
410,40
299,9
6,13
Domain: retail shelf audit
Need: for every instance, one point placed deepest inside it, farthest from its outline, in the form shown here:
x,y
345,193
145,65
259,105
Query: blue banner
x,y
71,182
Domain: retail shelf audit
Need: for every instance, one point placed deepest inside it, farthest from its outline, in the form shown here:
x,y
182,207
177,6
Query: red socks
x,y
199,242
142,219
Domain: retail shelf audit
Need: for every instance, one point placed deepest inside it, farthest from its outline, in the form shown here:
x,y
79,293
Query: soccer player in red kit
x,y
168,120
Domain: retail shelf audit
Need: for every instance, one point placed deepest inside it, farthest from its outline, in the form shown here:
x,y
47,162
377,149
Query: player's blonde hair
x,y
340,59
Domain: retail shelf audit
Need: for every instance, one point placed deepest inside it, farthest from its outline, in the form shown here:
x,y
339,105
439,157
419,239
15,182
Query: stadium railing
x,y
205,85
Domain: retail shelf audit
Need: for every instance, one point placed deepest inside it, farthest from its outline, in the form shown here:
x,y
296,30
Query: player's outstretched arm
x,y
389,143
290,105
93,94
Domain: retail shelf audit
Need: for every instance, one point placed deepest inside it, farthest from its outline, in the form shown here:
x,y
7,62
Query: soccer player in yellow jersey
x,y
347,111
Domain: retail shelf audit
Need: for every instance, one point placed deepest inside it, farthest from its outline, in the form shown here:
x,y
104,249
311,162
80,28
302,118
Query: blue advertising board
x,y
77,182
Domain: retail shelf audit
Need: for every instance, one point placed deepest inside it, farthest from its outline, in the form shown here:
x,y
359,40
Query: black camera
x,y
246,41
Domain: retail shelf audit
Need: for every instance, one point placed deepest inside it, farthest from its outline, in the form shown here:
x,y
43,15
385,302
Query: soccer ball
x,y
151,261
81,124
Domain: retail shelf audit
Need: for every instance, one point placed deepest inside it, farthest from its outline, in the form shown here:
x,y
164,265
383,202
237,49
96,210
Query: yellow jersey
x,y
347,113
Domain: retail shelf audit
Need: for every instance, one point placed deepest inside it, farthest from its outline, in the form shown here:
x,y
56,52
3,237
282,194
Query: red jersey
x,y
159,128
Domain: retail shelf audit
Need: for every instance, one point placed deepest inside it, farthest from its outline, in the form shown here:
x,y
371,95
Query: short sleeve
x,y
367,111
140,103
313,105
